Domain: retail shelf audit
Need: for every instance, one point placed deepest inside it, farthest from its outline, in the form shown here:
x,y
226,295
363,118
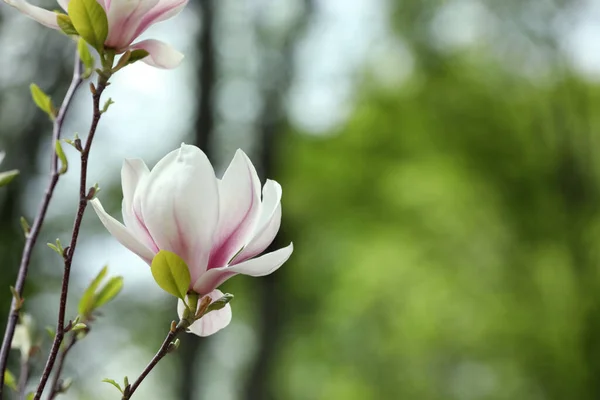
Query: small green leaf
x,y
7,177
171,273
53,247
25,226
90,21
86,304
65,24
42,100
219,303
78,327
9,380
64,163
30,396
115,384
86,58
109,291
107,104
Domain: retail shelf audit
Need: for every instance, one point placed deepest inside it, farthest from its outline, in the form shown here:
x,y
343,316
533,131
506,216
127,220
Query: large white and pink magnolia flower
x,y
217,226
127,19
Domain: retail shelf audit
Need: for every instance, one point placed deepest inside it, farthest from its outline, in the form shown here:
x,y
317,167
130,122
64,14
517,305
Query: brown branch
x,y
39,220
162,352
56,385
70,251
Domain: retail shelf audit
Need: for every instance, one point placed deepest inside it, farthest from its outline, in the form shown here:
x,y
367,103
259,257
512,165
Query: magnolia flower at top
x,y
127,19
217,226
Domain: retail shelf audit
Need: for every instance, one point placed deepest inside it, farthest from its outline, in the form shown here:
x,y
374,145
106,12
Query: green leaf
x,y
90,21
25,226
115,384
7,177
86,57
86,304
171,273
65,24
9,380
109,291
64,163
219,303
78,327
42,100
30,396
55,248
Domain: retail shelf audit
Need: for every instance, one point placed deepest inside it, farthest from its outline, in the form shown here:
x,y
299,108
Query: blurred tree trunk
x,y
204,130
277,76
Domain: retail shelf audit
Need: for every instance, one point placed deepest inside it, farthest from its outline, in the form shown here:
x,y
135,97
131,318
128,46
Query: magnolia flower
x,y
127,19
217,226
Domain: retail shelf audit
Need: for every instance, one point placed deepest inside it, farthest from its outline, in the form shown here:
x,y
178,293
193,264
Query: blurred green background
x,y
440,184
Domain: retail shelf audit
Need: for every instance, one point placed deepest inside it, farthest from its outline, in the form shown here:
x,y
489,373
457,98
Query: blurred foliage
x,y
446,238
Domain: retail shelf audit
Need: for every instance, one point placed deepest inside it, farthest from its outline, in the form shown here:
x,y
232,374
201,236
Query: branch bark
x,y
39,220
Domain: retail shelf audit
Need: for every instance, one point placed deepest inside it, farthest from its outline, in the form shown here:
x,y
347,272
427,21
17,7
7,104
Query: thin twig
x,y
39,220
70,251
56,384
162,352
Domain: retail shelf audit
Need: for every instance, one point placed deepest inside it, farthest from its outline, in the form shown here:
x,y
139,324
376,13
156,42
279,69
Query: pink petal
x,y
212,279
164,10
260,266
44,17
268,223
239,197
179,205
161,54
212,322
121,233
124,18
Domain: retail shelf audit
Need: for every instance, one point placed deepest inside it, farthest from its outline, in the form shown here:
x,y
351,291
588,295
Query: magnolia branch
x,y
38,222
165,348
56,385
84,197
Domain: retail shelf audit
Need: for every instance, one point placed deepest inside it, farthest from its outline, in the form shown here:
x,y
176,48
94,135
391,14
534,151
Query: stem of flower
x,y
39,220
162,352
70,251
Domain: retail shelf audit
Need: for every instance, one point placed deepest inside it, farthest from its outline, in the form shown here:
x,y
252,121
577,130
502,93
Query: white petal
x,y
64,4
121,233
268,223
265,264
44,17
180,205
161,54
132,172
260,266
239,199
212,322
